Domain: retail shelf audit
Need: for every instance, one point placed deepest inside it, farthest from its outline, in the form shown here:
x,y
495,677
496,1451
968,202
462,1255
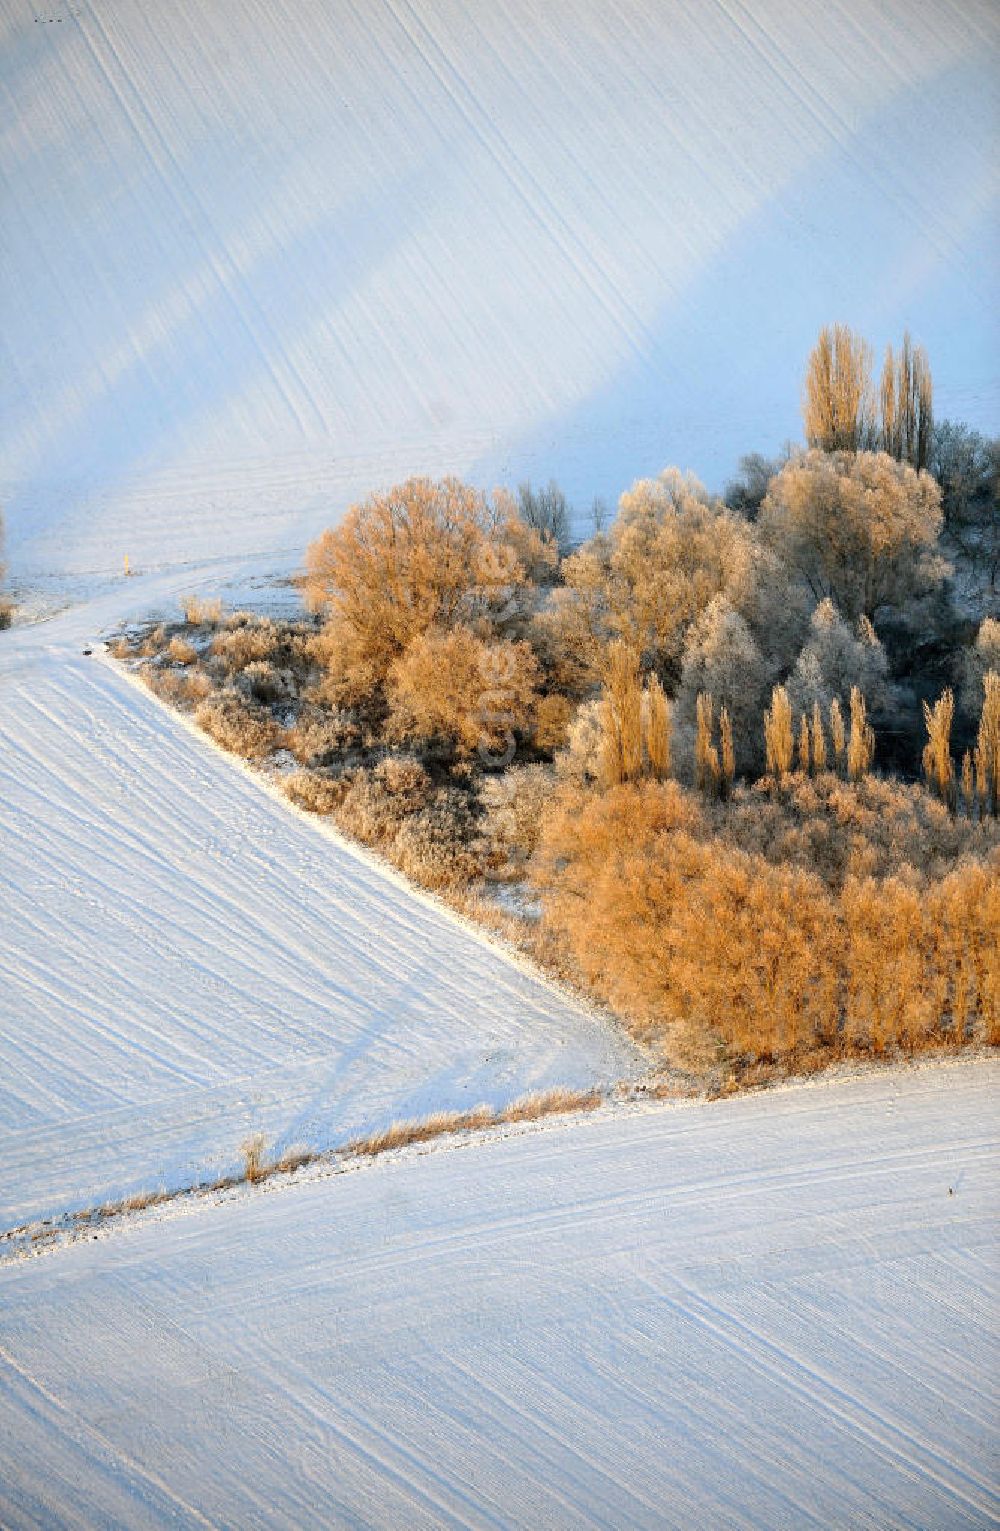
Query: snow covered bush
x,y
322,735
317,791
379,800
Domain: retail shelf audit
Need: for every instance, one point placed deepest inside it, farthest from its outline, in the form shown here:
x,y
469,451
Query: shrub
x,y
184,689
316,791
700,940
582,759
515,803
179,651
553,716
154,642
250,643
264,682
378,801
436,846
321,735
238,725
838,829
456,686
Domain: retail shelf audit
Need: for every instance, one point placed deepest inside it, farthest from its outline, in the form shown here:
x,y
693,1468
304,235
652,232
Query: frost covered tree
x,y
670,551
425,555
453,685
837,402
858,527
981,657
834,659
906,404
722,660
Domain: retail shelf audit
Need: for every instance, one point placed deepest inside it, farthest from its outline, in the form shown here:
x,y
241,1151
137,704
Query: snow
x,y
772,1310
261,258
184,959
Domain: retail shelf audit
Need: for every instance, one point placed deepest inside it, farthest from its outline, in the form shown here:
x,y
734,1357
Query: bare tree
x,y
546,511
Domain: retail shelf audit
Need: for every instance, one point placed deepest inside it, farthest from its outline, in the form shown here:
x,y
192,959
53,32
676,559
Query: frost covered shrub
x,y
262,640
154,642
583,758
179,688
238,725
321,735
316,791
378,801
515,803
436,846
264,682
729,954
864,828
457,686
553,716
180,651
6,613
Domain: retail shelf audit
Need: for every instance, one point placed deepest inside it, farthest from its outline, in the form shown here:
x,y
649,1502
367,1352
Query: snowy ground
x,y
260,258
184,959
770,1311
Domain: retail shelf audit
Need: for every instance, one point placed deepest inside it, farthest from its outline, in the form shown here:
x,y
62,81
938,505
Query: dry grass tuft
x,y
180,651
529,1108
254,1152
199,612
295,1158
554,1102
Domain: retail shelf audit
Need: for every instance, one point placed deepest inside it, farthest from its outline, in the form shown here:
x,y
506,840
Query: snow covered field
x,y
770,1311
260,258
184,960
